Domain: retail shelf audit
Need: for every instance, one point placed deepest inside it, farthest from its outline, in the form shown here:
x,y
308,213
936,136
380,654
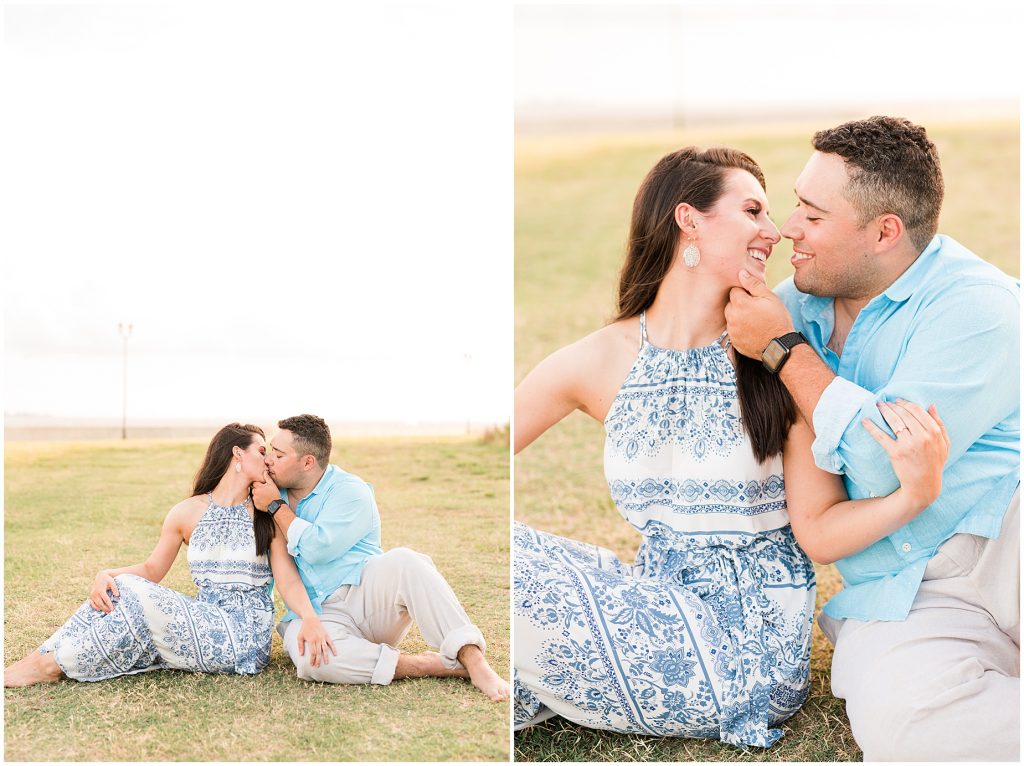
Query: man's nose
x,y
790,229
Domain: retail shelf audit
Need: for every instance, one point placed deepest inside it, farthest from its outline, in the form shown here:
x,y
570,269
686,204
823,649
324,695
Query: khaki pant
x,y
944,684
367,621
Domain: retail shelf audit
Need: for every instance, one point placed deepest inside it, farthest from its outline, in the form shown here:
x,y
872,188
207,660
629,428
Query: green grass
x,y
74,508
573,199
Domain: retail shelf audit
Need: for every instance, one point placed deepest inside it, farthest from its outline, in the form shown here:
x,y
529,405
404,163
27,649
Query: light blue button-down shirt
x,y
336,530
946,332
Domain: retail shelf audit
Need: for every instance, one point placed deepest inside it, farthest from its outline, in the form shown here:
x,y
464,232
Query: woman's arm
x,y
585,375
154,568
827,524
289,583
546,395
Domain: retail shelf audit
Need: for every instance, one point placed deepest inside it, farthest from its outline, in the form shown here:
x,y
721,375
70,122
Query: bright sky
x,y
756,56
299,206
308,206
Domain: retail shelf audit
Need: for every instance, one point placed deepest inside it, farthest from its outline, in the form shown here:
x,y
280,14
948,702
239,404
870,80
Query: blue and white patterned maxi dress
x,y
226,628
708,634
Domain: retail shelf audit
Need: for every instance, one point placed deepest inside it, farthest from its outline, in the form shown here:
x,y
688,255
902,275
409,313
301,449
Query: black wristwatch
x,y
274,505
777,351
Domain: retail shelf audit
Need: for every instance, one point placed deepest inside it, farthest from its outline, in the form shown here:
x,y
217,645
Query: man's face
x,y
832,252
283,463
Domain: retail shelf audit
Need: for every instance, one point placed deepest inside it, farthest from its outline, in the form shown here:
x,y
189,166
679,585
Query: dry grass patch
x,y
74,508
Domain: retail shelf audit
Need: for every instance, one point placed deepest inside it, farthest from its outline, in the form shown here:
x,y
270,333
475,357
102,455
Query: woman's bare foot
x,y
35,669
482,674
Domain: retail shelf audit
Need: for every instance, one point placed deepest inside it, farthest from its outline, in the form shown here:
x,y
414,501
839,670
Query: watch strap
x,y
792,339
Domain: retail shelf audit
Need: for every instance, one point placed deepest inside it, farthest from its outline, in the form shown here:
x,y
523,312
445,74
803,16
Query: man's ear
x,y
308,462
890,232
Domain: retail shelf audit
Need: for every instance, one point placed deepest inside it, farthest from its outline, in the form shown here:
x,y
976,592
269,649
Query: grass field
x,y
74,508
573,200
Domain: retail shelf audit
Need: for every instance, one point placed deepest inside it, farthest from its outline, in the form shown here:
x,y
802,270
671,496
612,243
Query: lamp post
x,y
468,357
126,332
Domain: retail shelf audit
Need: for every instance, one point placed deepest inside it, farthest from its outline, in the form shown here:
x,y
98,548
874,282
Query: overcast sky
x,y
750,57
298,206
308,205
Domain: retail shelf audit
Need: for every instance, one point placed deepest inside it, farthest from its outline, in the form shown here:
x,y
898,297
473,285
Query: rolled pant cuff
x,y
384,671
455,640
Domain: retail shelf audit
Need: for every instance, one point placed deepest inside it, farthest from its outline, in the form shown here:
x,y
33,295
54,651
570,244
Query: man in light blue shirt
x,y
366,598
926,627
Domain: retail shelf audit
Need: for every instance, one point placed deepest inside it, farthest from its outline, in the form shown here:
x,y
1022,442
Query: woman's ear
x,y
685,219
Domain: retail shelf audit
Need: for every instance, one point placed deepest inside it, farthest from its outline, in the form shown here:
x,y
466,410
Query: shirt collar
x,y
909,280
814,308
324,480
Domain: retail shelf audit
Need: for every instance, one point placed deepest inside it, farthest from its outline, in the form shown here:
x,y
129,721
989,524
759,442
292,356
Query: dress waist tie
x,y
725,575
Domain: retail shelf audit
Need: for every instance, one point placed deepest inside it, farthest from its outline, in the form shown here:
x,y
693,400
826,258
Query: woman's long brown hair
x,y
697,177
215,465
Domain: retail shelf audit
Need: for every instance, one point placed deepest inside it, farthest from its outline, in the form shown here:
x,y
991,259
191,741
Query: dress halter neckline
x,y
722,341
215,504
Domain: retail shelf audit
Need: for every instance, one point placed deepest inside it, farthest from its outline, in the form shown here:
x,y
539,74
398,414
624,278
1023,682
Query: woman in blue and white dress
x,y
708,633
130,624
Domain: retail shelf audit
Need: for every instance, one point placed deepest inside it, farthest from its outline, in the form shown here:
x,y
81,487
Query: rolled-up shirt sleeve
x,y
839,407
961,353
345,518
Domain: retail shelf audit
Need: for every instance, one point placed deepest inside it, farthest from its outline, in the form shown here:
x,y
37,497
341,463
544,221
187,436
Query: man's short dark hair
x,y
311,436
893,168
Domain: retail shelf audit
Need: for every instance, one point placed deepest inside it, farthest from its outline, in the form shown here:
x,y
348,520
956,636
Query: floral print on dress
x,y
708,633
682,398
743,497
226,628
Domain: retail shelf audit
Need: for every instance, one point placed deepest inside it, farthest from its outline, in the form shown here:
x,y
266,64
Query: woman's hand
x,y
919,451
98,596
313,633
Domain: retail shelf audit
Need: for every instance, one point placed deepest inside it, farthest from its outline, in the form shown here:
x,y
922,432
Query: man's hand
x,y
755,315
313,633
265,492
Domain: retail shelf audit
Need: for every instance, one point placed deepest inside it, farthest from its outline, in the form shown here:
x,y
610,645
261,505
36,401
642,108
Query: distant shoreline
x,y
38,428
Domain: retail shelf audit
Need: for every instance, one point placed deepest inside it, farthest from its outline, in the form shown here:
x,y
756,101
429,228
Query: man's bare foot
x,y
35,669
482,674
424,665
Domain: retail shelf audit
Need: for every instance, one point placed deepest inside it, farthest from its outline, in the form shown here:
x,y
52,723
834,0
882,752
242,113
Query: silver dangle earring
x,y
238,467
691,256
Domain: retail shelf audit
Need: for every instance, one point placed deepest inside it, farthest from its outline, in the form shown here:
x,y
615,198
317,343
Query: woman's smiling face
x,y
736,233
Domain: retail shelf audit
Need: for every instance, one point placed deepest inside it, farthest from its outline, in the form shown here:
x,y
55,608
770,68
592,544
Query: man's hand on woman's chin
x,y
754,316
264,492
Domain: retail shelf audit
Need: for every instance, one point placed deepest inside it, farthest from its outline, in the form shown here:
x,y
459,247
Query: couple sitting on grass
x,y
709,385
255,518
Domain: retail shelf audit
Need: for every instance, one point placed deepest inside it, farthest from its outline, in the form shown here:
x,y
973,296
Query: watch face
x,y
774,355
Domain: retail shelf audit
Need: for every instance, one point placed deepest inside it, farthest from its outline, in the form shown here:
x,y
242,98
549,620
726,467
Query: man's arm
x,y
346,518
806,377
755,315
962,355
